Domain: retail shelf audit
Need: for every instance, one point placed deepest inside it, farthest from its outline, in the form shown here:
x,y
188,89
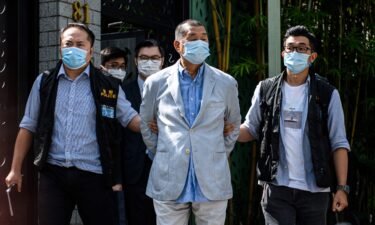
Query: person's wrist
x,y
345,188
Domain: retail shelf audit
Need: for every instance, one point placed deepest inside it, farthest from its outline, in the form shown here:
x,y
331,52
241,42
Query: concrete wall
x,y
54,15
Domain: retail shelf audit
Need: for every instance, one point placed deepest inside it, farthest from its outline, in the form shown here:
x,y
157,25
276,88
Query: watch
x,y
344,188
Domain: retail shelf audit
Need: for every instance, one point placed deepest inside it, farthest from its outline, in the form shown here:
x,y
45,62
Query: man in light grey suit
x,y
190,102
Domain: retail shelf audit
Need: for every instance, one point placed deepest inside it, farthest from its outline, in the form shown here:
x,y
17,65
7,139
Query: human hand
x,y
340,201
228,128
14,178
117,187
153,126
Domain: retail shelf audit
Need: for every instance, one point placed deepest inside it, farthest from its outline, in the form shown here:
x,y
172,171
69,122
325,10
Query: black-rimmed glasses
x,y
301,48
154,58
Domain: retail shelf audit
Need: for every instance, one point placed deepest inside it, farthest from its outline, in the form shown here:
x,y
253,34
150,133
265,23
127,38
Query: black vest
x,y
105,92
320,92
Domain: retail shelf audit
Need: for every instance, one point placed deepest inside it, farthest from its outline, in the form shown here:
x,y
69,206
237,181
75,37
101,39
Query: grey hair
x,y
183,28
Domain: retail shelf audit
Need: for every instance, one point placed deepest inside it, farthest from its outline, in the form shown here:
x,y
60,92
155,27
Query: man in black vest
x,y
114,61
149,58
73,114
298,120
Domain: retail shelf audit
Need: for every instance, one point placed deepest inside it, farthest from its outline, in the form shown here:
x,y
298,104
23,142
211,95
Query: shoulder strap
x,y
45,75
266,87
323,97
267,90
324,90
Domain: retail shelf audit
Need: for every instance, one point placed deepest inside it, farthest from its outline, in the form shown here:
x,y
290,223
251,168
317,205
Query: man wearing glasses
x,y
298,120
114,61
149,59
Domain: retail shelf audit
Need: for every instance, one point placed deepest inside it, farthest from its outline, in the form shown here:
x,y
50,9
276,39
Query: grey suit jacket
x,y
175,139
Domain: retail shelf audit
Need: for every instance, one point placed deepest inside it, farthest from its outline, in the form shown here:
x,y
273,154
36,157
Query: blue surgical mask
x,y
73,58
196,51
296,62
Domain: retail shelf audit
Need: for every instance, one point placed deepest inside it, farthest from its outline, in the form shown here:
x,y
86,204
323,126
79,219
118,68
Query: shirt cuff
x,y
28,124
251,129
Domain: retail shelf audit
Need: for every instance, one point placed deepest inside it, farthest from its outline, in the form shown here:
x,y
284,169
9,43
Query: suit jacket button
x,y
187,151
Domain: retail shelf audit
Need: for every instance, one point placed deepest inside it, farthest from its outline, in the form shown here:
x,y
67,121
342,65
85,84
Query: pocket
x,y
160,170
218,105
221,170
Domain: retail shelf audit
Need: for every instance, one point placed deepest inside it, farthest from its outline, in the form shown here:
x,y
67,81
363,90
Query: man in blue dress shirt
x,y
73,114
190,102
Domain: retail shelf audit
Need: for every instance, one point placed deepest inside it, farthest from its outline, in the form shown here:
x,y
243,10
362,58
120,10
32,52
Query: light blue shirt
x,y
191,92
73,139
336,129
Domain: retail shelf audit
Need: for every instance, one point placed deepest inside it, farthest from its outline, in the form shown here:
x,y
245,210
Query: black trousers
x,y
138,206
288,206
61,189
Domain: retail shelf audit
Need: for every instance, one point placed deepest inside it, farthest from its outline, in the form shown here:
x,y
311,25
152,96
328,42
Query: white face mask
x,y
118,73
148,67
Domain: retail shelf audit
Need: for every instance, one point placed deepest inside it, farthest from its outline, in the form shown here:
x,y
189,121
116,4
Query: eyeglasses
x,y
115,66
154,58
301,48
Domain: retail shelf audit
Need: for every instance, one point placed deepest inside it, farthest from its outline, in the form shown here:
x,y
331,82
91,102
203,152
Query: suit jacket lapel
x,y
174,87
208,85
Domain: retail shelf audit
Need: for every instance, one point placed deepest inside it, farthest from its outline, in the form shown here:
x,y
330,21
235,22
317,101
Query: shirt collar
x,y
307,81
63,73
183,73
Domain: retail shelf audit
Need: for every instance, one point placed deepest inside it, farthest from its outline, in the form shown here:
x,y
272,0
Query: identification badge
x,y
108,111
292,119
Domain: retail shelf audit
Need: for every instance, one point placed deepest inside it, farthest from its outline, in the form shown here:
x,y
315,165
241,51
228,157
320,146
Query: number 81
x,y
77,14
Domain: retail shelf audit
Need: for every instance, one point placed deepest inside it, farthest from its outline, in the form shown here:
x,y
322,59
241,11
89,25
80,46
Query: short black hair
x,y
109,53
147,44
81,26
301,30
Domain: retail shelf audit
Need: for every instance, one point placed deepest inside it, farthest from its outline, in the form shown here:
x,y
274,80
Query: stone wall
x,y
54,15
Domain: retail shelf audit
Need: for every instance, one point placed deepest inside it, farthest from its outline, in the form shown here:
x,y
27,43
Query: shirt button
x,y
187,151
